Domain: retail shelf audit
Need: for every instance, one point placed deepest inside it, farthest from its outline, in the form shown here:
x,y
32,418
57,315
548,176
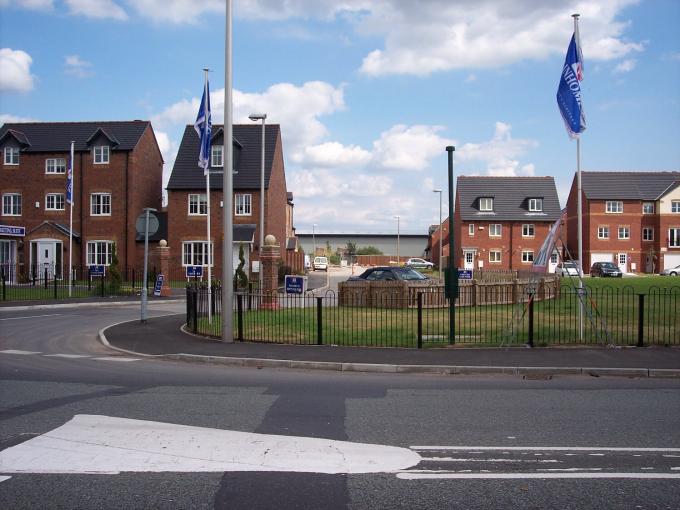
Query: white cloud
x,y
15,71
326,183
626,66
177,11
6,118
409,148
38,5
97,9
333,154
75,66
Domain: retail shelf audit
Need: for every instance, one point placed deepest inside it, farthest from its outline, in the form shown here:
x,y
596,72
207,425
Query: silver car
x,y
671,271
567,268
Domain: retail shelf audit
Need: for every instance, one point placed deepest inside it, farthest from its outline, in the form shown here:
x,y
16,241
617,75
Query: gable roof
x,y
510,194
627,185
17,135
57,136
186,173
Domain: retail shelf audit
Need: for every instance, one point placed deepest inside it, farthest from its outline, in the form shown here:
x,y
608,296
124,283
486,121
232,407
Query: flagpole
x,y
581,311
70,230
207,194
227,188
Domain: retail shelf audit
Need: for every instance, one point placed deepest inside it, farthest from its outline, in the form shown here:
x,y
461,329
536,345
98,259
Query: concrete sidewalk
x,y
163,337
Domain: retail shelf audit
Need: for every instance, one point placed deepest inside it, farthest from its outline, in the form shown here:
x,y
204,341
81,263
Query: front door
x,y
47,256
554,259
469,262
623,262
8,251
649,263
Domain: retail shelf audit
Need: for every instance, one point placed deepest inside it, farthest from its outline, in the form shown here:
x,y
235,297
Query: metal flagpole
x,y
227,189
207,195
579,206
70,230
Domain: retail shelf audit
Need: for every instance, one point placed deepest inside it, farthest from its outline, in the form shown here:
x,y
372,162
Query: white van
x,y
320,264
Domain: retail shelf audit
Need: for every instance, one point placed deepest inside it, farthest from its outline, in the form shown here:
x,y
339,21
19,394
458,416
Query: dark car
x,y
387,273
605,269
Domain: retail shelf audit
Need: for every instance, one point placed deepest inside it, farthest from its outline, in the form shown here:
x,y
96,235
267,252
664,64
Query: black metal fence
x,y
609,316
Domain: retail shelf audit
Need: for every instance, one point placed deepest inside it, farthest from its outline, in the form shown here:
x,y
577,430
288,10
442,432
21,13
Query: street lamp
x,y
263,117
441,231
397,218
314,239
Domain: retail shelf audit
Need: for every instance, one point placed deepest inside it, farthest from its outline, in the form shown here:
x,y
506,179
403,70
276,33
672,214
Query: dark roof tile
x,y
627,185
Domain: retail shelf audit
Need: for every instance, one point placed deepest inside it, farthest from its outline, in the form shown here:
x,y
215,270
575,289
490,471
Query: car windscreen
x,y
405,273
609,265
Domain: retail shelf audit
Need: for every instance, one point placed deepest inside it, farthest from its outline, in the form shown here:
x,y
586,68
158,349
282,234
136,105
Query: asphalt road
x,y
479,442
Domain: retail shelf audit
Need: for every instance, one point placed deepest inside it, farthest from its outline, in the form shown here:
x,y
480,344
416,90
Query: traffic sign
x,y
140,224
194,271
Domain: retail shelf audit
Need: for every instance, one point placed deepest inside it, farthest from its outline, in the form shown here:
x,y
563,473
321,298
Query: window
x,y
527,256
195,253
495,230
647,234
603,232
198,204
242,205
100,204
647,207
495,256
469,258
11,155
99,253
528,230
554,258
101,154
471,229
674,237
54,202
216,155
624,233
55,166
675,206
11,204
486,204
535,204
614,206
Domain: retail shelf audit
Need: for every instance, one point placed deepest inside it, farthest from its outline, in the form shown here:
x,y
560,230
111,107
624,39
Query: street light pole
x,y
441,232
263,118
452,268
398,259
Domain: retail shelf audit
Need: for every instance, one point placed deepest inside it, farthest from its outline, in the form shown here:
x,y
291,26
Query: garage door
x,y
599,257
671,260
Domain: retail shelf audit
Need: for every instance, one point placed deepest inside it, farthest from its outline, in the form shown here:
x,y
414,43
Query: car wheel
x,y
673,273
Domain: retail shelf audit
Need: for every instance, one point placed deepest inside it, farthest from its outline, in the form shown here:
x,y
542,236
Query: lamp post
x,y
441,231
263,117
397,218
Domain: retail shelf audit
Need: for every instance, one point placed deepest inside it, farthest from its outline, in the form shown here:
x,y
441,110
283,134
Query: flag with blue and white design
x,y
569,91
203,127
69,182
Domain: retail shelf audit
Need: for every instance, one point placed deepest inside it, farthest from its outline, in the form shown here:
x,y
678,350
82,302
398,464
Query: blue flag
x,y
569,91
69,182
203,127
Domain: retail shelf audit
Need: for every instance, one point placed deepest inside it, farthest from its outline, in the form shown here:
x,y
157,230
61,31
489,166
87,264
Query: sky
x,y
368,93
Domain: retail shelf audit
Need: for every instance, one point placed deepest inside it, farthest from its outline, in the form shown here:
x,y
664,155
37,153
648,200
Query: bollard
x,y
319,321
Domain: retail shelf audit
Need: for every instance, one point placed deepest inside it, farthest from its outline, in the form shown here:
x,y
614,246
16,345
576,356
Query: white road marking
x,y
116,358
66,356
30,317
596,454
104,445
12,351
408,475
3,478
675,469
452,459
479,449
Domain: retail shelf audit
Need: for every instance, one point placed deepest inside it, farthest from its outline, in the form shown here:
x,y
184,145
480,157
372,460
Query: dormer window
x,y
11,155
535,204
486,204
217,155
101,154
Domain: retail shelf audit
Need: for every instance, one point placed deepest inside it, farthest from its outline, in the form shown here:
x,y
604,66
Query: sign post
x,y
451,270
147,224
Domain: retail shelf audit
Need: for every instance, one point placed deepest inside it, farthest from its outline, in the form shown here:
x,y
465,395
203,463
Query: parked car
x,y
388,273
419,263
671,271
605,269
568,268
320,264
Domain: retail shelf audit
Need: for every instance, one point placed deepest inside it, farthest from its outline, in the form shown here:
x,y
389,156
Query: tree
x,y
241,277
369,250
115,278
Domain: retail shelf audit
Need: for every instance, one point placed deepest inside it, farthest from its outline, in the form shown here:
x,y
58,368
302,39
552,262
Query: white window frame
x,y
494,252
100,204
471,229
101,154
624,230
469,257
486,204
217,155
646,205
492,229
190,254
527,256
674,237
55,166
645,231
528,230
10,153
614,207
9,207
536,205
54,206
197,204
675,206
243,204
603,232
98,257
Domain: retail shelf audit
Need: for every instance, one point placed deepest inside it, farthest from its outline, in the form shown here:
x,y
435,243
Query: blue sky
x,y
368,93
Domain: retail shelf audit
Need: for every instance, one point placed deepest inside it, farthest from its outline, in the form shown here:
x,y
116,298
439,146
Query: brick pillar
x,y
269,265
163,257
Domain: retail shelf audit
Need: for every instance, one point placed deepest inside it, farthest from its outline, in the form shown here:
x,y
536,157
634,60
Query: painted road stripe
x,y
500,476
116,358
30,317
3,478
12,351
66,356
452,459
480,449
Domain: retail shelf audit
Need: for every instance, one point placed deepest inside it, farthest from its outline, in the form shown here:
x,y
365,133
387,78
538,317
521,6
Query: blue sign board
x,y
8,230
295,284
159,285
194,271
465,274
96,270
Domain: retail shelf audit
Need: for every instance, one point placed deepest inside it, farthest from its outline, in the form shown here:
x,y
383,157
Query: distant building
x,y
410,245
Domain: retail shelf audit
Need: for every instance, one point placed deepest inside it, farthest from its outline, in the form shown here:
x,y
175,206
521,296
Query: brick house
x,y
117,172
629,218
187,200
499,222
